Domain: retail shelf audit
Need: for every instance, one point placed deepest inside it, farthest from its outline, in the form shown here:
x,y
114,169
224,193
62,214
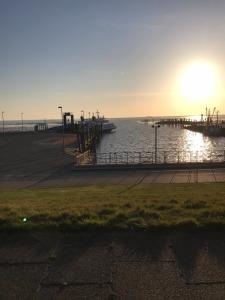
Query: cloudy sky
x,y
122,57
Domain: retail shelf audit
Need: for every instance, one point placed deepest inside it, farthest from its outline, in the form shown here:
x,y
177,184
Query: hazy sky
x,y
122,57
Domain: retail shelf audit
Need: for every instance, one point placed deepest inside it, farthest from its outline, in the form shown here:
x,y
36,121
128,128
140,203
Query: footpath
x,y
131,265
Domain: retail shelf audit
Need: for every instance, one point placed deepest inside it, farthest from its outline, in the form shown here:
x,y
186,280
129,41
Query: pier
x,y
207,126
216,130
88,136
175,122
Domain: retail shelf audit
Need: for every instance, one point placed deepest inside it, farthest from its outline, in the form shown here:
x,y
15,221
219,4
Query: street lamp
x,y
22,120
82,115
3,123
61,109
156,126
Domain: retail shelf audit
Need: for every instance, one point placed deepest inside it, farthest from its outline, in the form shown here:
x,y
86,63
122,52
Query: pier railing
x,y
163,157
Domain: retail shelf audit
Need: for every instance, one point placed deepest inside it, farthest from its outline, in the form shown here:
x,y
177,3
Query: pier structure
x,y
209,125
68,119
41,126
216,130
88,136
176,122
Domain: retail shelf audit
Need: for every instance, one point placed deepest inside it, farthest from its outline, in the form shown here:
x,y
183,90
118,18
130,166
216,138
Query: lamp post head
x,y
156,126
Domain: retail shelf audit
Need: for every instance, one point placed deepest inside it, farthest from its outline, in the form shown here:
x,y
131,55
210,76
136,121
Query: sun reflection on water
x,y
196,146
174,144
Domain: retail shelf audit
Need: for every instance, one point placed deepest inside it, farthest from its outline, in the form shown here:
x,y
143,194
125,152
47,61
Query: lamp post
x,y
82,114
156,128
61,109
22,120
3,123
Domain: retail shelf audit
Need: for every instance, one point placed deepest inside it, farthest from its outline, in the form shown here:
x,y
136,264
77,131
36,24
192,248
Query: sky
x,y
122,57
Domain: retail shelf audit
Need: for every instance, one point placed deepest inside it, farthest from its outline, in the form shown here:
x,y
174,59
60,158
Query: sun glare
x,y
198,82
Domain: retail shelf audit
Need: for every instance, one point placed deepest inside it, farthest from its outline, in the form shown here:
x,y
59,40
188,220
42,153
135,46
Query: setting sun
x,y
198,82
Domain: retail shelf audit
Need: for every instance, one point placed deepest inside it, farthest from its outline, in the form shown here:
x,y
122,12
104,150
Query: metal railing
x,y
163,157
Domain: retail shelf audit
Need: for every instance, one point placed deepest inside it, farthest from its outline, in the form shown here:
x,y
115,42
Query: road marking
x,y
214,175
172,177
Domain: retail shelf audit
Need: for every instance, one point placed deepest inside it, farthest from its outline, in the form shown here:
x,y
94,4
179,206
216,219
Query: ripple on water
x,y
173,142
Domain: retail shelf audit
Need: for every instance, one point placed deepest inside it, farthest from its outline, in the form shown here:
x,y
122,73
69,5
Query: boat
x,y
108,126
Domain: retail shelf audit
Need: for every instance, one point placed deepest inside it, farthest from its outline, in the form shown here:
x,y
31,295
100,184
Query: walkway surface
x,y
69,177
112,266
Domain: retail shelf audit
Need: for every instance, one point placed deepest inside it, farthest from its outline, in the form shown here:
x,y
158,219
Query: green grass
x,y
114,207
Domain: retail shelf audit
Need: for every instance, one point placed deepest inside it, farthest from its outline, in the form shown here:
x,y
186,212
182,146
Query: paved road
x,y
68,177
112,266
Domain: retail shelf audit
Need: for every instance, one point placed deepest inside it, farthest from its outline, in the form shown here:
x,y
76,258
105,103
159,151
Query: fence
x,y
163,157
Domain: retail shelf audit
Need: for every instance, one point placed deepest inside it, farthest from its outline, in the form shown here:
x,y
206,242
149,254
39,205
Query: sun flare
x,y
198,82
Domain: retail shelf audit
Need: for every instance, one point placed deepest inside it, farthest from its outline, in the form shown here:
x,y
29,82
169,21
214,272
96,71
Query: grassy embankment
x,y
115,207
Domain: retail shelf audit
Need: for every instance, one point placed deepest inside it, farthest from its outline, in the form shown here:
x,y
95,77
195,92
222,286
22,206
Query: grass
x,y
114,207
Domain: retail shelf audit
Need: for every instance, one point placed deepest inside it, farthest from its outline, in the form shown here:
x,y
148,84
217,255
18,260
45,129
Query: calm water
x,y
174,143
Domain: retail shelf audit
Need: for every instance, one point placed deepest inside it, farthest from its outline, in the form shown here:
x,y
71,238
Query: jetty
x,y
209,124
88,132
175,121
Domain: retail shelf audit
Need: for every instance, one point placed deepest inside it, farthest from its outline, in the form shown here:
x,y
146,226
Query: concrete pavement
x,y
69,177
175,265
